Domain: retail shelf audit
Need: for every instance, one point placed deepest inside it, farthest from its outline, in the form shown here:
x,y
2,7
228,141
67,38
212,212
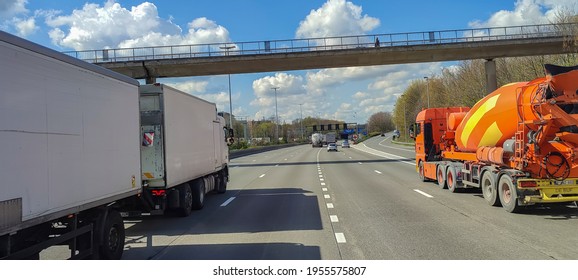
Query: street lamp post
x,y
427,89
227,48
276,117
301,112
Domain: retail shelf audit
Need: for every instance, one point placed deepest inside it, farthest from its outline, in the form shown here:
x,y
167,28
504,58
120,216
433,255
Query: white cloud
x,y
336,18
528,12
191,86
113,26
25,27
10,8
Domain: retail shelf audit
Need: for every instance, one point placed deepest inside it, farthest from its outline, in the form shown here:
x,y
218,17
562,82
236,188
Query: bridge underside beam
x,y
202,66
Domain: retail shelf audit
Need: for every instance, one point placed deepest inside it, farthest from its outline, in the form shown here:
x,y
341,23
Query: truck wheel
x,y
490,189
421,171
198,194
441,176
222,183
451,179
112,245
185,200
508,194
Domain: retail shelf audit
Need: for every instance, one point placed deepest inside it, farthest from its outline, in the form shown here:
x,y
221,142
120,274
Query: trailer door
x,y
152,150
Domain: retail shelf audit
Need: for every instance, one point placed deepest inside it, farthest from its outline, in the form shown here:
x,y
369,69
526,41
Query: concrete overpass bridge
x,y
315,53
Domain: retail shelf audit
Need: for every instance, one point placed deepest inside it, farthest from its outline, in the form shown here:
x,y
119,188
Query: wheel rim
x,y
450,180
440,176
421,175
506,193
113,239
487,187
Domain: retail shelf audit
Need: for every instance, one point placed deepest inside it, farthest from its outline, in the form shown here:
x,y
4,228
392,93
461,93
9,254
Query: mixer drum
x,y
492,120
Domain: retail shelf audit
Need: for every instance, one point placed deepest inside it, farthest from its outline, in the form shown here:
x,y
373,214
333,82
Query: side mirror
x,y
229,136
411,134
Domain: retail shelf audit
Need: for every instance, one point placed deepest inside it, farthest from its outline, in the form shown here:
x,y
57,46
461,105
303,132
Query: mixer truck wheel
x,y
508,194
490,189
421,171
451,179
441,176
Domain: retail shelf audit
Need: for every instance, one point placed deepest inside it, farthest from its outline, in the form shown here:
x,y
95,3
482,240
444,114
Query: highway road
x,y
361,203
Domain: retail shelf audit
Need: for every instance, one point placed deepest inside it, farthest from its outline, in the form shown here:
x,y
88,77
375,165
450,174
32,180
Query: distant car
x,y
345,144
383,134
331,147
395,134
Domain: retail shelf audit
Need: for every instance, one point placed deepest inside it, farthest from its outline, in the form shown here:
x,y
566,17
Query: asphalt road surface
x,y
360,203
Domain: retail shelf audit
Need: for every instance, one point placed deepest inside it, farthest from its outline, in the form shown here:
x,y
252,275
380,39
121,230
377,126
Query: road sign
x,y
354,136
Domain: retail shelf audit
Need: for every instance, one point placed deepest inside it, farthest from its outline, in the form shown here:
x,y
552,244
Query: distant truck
x,y
518,144
330,137
72,145
317,140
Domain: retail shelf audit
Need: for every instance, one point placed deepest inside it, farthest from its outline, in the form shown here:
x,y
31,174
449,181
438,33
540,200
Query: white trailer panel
x,y
189,125
69,132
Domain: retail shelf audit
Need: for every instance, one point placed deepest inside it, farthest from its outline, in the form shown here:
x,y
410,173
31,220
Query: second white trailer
x,y
184,152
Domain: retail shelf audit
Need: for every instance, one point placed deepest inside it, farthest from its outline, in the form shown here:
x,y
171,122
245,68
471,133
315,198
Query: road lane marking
x,y
423,193
324,189
320,176
321,179
262,175
349,157
326,196
320,173
227,201
330,205
383,154
323,183
359,162
377,171
333,218
276,165
340,237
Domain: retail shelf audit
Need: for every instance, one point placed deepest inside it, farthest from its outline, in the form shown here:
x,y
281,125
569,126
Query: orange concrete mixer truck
x,y
519,144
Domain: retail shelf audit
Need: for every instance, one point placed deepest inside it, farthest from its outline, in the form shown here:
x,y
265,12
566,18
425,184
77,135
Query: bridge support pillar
x,y
491,78
150,80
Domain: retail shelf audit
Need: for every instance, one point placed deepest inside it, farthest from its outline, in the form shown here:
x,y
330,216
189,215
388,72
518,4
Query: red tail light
x,y
528,184
158,192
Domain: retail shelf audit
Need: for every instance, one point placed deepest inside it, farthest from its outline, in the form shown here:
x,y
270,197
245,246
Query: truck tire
x,y
508,194
451,179
490,188
185,200
198,194
112,245
421,172
441,176
222,182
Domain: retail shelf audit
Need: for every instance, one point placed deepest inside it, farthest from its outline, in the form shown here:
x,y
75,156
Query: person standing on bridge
x,y
377,42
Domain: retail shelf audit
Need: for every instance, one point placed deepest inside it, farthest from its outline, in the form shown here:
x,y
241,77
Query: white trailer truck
x,y
184,152
69,150
73,138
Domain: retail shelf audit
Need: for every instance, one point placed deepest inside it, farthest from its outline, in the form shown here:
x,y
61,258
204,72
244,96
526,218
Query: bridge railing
x,y
325,44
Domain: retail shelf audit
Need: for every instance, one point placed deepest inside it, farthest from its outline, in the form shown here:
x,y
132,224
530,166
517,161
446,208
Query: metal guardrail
x,y
326,44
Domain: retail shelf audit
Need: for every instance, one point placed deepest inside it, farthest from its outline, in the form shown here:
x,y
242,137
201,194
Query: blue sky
x,y
348,94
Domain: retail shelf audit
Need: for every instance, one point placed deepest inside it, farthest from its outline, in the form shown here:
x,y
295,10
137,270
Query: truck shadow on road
x,y
214,232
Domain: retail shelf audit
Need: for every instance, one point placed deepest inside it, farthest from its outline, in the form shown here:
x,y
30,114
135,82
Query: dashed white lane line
x,y
359,162
320,172
262,175
324,189
320,176
340,237
330,205
323,183
276,165
377,171
227,201
333,218
326,196
423,193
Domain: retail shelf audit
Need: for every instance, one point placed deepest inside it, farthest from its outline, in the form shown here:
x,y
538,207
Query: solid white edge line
x,y
423,193
227,201
340,237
